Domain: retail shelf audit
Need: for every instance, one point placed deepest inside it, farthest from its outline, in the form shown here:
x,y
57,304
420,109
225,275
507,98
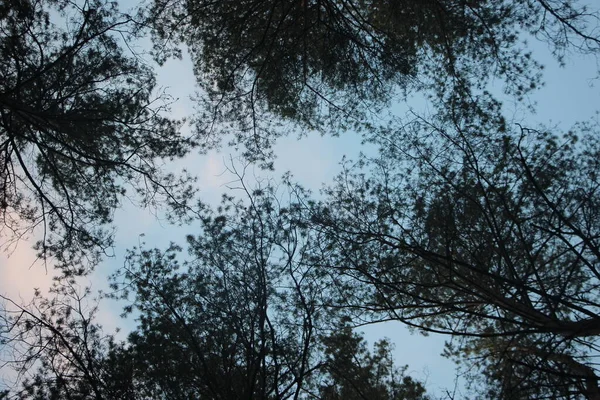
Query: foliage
x,y
329,63
241,318
353,372
80,128
464,225
467,228
56,336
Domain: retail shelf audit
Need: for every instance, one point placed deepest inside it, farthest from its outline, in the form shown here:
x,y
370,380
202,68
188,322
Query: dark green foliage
x,y
238,320
353,372
244,317
79,127
466,228
317,62
465,225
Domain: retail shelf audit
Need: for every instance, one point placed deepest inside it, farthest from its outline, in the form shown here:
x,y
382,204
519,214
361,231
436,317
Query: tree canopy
x,y
81,127
238,319
487,235
466,223
319,61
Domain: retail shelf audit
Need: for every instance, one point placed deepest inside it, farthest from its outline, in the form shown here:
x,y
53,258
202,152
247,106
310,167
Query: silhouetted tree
x,y
79,127
316,61
56,337
489,234
353,372
241,318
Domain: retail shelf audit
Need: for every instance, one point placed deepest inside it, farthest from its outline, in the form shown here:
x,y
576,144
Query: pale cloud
x,y
21,272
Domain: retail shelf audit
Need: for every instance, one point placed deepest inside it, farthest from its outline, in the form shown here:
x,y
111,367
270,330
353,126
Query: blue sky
x,y
569,95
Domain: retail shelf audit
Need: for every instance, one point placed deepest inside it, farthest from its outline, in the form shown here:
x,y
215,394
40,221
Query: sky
x,y
570,94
